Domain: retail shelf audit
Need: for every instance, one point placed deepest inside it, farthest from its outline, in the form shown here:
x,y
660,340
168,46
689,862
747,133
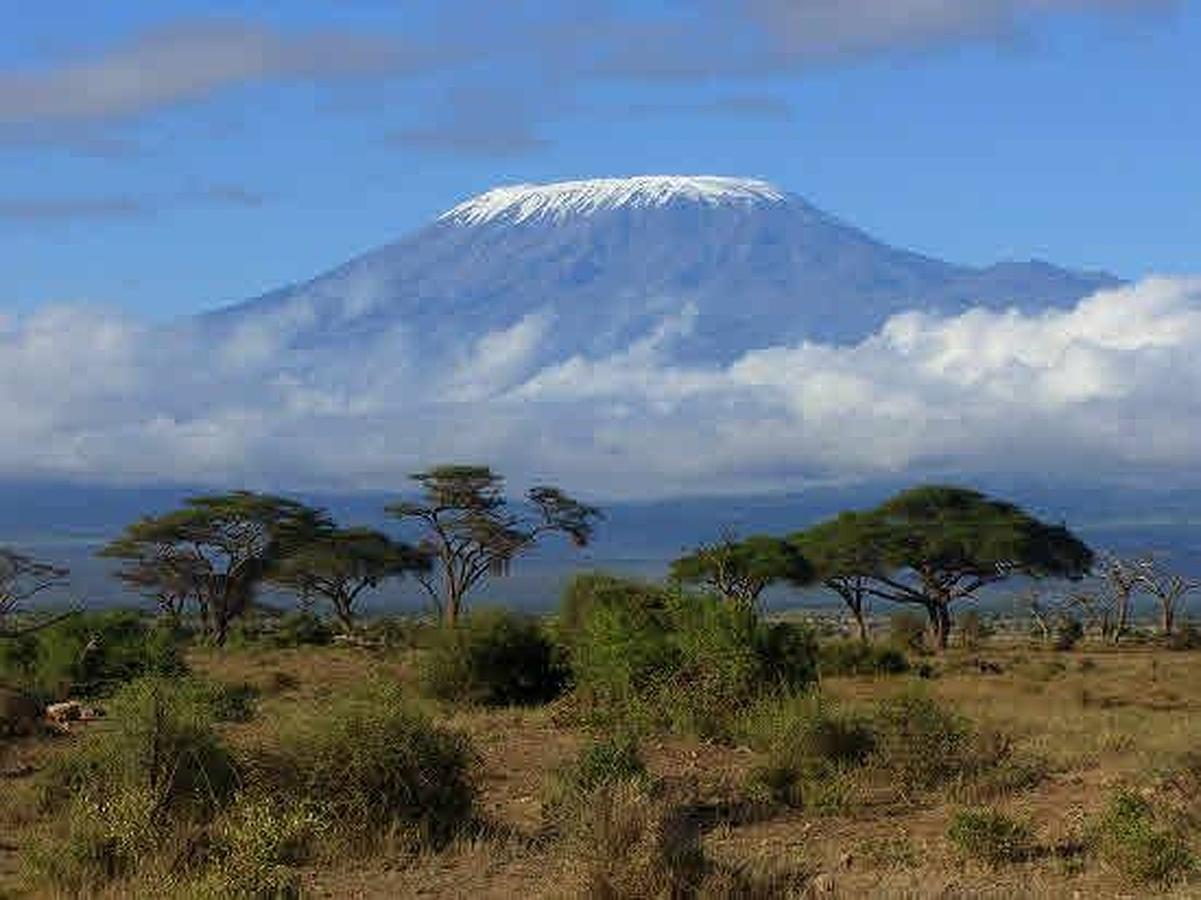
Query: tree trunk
x,y
940,625
861,626
1168,619
1123,614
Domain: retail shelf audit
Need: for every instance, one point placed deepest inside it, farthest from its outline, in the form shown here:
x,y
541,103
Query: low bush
x,y
991,836
229,702
601,763
301,629
852,657
630,841
20,713
922,744
671,659
369,764
90,654
1131,838
494,658
160,740
255,849
123,793
1185,637
811,747
1069,631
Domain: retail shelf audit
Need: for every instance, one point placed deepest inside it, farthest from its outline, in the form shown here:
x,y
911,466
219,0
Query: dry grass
x,y
1095,718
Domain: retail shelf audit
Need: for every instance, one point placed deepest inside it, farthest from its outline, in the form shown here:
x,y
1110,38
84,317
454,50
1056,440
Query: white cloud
x,y
1108,387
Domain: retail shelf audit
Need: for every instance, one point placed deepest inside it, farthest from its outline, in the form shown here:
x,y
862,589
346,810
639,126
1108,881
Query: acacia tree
x,y
165,571
946,543
219,547
847,556
337,565
741,570
21,579
471,532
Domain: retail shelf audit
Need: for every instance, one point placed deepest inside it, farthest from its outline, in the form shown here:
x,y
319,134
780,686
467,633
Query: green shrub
x,y
494,658
1130,837
255,849
853,657
160,740
90,654
685,661
229,702
302,629
921,743
368,764
811,748
991,836
122,793
617,634
601,763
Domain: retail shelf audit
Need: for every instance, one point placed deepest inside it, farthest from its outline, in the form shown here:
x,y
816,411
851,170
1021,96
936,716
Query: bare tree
x,y
1122,577
1168,588
1043,613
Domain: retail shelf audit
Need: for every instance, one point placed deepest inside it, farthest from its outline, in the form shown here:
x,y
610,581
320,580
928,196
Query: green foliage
x,y
228,702
991,836
608,761
90,654
216,549
811,746
118,796
255,848
853,657
601,763
369,764
301,629
471,532
494,658
679,660
337,565
618,635
921,743
1129,837
740,570
160,740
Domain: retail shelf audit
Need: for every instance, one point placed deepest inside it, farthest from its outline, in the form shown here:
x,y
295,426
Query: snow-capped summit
x,y
593,267
558,200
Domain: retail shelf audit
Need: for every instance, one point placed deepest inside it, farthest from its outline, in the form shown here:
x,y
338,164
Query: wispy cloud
x,y
58,210
185,62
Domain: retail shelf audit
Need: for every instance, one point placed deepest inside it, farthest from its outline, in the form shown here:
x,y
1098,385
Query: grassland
x,y
1076,728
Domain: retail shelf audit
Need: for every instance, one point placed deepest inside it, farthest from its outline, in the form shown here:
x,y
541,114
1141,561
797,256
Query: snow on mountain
x,y
736,264
556,202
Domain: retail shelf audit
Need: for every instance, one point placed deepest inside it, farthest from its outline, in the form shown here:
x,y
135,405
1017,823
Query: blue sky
x,y
163,159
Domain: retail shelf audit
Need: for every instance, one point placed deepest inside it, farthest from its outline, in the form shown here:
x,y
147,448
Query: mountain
x,y
739,263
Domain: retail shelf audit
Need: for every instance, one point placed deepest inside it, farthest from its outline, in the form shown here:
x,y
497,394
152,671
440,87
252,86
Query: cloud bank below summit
x,y
1107,388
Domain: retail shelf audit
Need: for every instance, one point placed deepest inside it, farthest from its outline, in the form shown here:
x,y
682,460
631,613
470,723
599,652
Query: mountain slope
x,y
740,263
